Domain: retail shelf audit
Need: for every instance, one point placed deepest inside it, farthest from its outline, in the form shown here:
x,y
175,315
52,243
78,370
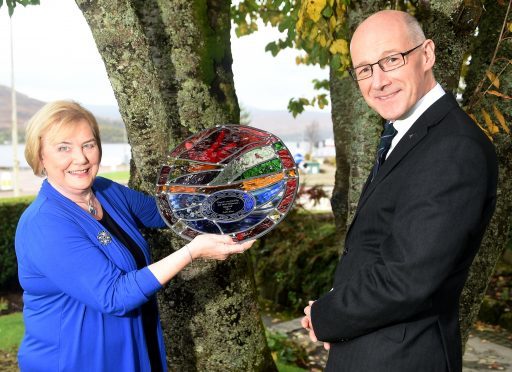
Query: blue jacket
x,y
82,294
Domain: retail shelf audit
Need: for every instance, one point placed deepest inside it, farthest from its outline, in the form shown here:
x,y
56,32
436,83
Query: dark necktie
x,y
385,143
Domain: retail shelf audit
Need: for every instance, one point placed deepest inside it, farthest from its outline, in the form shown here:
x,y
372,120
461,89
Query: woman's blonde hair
x,y
49,120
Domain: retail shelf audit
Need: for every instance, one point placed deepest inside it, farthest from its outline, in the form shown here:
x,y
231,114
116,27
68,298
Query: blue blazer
x,y
418,225
82,290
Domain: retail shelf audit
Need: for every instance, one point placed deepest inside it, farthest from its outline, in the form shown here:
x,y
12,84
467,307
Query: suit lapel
x,y
432,116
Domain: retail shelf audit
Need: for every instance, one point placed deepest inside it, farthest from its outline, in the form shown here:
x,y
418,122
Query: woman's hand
x,y
217,247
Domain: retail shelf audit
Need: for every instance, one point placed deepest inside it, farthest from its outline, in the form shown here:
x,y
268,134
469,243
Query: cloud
x,y
56,58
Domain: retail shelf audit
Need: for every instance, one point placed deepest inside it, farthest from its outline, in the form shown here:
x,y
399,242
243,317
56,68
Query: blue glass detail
x,y
180,201
192,213
266,194
248,222
267,207
204,226
249,203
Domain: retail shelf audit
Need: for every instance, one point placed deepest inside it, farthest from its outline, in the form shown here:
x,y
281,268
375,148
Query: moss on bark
x,y
169,63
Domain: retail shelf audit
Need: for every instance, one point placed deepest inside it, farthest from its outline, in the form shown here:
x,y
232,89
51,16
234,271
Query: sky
x,y
55,57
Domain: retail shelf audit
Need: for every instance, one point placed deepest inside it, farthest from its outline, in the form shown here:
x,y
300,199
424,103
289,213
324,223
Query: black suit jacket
x,y
418,225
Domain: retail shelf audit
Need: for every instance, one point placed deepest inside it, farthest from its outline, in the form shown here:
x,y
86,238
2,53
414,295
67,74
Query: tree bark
x,y
356,131
498,234
169,63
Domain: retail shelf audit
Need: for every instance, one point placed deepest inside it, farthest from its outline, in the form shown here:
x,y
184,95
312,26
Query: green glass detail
x,y
278,146
236,167
271,166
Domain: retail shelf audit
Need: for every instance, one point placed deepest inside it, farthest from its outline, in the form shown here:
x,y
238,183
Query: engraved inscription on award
x,y
229,205
230,179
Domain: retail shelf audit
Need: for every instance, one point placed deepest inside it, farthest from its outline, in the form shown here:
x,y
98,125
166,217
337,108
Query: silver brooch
x,y
104,237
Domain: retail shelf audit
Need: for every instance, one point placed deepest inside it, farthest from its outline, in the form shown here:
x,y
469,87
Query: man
x,y
420,218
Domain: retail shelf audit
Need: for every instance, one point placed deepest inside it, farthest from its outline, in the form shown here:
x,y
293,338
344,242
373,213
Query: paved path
x,y
485,350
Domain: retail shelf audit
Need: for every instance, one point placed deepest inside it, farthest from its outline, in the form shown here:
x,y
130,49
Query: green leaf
x,y
272,48
296,107
323,57
327,12
335,62
321,84
287,23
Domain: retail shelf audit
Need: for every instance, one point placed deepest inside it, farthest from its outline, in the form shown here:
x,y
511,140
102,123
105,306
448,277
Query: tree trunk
x,y
356,131
497,236
169,63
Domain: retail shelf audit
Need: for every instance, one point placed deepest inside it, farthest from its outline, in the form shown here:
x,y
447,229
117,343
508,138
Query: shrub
x,y
285,350
296,261
10,212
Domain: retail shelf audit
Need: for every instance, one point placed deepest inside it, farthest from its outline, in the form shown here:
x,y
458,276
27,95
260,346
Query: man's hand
x,y
308,325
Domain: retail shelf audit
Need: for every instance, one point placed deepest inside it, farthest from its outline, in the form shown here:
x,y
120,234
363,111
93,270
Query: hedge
x,y
293,263
10,212
296,261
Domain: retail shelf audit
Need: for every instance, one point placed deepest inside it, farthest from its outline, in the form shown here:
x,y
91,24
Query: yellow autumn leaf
x,y
332,24
509,26
299,24
313,33
479,126
488,121
331,3
494,80
339,46
498,94
501,119
315,8
322,40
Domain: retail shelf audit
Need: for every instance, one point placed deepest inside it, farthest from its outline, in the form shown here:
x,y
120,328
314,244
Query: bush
x,y
10,212
296,261
286,351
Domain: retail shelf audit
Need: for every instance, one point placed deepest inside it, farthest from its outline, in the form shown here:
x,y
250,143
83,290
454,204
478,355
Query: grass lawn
x,y
287,368
11,331
117,176
19,199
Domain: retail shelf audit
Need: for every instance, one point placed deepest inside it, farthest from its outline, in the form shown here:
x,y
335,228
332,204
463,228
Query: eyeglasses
x,y
386,64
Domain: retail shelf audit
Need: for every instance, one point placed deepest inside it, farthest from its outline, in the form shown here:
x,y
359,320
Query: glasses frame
x,y
352,71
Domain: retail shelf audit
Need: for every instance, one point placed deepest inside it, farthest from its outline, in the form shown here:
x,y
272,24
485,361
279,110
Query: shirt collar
x,y
403,125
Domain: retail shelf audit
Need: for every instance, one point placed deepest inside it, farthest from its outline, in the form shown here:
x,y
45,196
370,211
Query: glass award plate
x,y
230,179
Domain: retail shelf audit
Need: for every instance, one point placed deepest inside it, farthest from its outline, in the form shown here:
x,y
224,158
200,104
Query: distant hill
x,y
288,128
26,108
111,127
278,122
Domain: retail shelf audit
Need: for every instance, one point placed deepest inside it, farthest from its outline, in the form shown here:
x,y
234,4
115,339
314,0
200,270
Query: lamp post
x,y
14,117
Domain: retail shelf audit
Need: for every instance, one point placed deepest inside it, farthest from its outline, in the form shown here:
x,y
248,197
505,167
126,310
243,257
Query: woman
x,y
89,286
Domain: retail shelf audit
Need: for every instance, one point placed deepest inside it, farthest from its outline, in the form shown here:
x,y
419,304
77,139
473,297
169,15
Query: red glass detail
x,y
291,186
190,233
223,143
190,142
263,226
166,210
252,145
286,158
285,203
164,175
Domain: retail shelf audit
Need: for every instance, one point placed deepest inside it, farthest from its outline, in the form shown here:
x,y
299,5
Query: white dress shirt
x,y
403,125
